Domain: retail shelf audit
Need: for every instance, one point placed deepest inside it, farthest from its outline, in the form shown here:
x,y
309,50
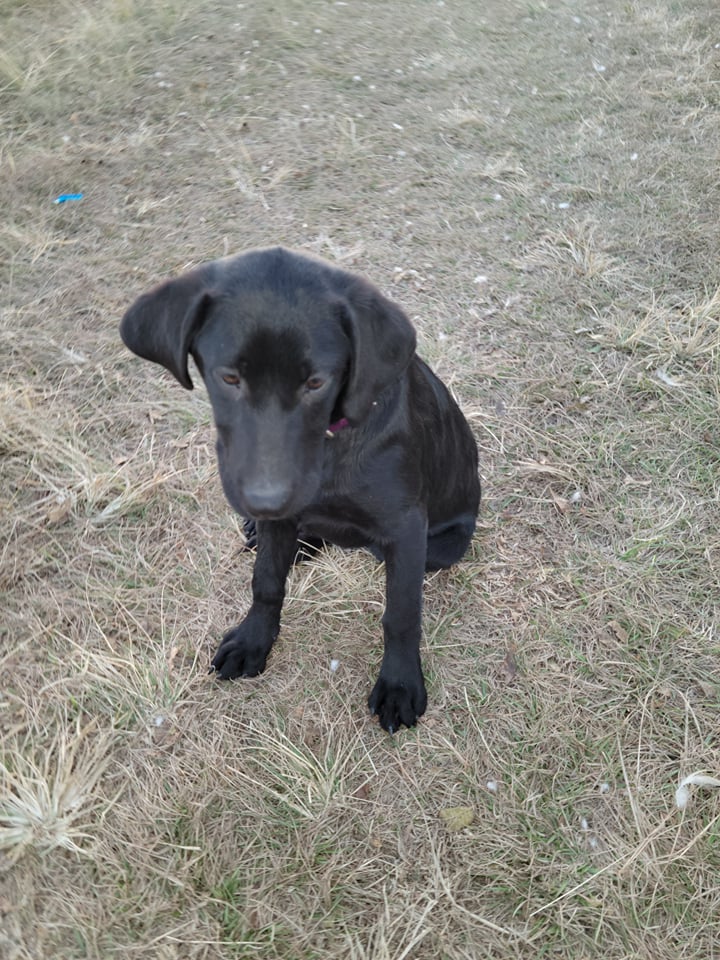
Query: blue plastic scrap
x,y
68,196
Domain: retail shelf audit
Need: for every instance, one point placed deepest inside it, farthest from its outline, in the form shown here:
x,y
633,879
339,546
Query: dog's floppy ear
x,y
161,324
383,342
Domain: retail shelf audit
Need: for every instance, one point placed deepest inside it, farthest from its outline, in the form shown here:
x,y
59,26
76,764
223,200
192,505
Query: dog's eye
x,y
232,378
314,383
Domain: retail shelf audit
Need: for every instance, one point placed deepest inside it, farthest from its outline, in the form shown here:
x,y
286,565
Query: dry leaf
x,y
509,665
619,631
59,510
457,818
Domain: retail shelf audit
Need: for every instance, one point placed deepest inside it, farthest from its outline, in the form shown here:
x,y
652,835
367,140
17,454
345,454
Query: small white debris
x,y
599,67
664,377
492,786
633,156
334,664
158,720
442,336
357,78
74,355
584,825
563,206
682,794
604,788
480,279
576,496
577,20
397,126
497,196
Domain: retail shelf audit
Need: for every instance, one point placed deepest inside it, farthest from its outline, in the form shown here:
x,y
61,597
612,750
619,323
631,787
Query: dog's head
x,y
287,345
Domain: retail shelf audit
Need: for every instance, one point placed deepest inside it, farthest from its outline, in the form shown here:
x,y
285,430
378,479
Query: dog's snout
x,y
267,501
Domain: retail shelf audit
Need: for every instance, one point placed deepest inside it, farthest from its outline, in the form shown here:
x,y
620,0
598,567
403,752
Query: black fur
x,y
288,345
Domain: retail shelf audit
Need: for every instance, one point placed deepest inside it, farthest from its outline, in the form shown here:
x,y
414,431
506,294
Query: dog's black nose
x,y
267,502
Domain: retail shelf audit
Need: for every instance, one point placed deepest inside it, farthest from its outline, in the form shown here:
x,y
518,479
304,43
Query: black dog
x,y
329,428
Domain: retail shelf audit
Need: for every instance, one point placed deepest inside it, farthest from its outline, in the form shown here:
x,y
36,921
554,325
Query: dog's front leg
x,y
399,695
244,649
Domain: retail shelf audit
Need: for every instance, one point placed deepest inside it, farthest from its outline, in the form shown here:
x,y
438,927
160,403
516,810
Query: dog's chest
x,y
345,511
339,519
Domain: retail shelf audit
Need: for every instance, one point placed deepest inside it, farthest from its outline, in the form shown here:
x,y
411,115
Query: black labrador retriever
x,y
329,428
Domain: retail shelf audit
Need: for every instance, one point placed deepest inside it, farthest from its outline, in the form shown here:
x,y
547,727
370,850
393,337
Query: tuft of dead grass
x,y
48,800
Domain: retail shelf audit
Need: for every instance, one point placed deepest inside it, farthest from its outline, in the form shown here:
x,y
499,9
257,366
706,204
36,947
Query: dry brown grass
x,y
537,184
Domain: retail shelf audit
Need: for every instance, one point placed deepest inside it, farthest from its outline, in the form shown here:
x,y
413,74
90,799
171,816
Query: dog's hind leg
x,y
447,542
250,533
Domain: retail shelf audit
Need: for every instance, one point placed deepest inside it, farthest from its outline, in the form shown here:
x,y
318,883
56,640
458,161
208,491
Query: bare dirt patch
x,y
536,183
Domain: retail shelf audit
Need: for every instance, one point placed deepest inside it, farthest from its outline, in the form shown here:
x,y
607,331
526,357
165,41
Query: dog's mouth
x,y
271,501
269,485
255,514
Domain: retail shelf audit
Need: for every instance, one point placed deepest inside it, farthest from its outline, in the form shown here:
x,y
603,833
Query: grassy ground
x,y
536,182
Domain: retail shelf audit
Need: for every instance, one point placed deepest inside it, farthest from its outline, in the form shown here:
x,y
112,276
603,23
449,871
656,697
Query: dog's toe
x,y
250,534
398,703
239,655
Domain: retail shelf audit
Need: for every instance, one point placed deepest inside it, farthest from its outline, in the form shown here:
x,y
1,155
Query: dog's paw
x,y
240,654
250,533
398,702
